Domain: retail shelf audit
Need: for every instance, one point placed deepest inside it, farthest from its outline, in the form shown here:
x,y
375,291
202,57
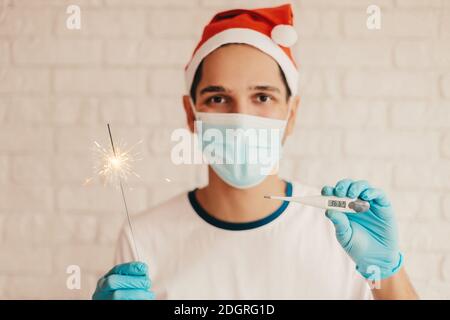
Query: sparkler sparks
x,y
114,166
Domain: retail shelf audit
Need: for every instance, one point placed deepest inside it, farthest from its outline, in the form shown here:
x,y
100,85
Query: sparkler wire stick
x,y
123,196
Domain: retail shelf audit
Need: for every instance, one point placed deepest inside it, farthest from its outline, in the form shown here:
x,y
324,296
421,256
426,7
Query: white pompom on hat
x,y
268,29
284,34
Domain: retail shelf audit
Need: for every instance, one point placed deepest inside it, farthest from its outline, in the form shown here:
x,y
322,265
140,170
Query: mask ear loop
x,y
193,108
289,109
194,112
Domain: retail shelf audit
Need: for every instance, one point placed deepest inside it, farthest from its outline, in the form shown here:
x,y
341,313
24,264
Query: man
x,y
225,241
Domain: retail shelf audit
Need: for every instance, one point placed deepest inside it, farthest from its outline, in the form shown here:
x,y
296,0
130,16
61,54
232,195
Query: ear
x,y
295,102
190,117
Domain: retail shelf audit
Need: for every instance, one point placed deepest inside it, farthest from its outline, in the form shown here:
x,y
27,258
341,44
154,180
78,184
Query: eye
x,y
263,98
216,100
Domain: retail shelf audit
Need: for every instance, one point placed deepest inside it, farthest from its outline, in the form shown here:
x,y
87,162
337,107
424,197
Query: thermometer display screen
x,y
337,203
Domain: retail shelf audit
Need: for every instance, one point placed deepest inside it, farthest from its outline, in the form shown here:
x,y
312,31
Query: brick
x,y
116,110
31,287
99,199
424,4
4,169
311,23
74,229
420,115
122,51
391,145
57,3
25,260
25,22
424,266
420,54
4,103
446,268
445,84
3,286
387,84
159,25
96,81
317,142
161,168
345,53
73,168
156,4
31,169
4,52
444,29
15,80
446,207
24,198
238,3
109,229
26,110
399,23
416,236
440,56
172,111
151,52
160,52
159,141
437,290
417,206
320,172
15,139
311,83
412,54
28,229
333,114
419,176
3,218
90,258
104,23
308,112
75,110
167,82
36,229
344,4
332,85
79,141
149,110
317,24
50,51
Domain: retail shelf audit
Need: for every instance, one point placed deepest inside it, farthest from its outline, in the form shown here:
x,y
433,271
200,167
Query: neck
x,y
230,204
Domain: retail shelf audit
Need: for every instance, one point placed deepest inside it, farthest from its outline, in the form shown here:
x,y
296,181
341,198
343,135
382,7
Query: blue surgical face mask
x,y
242,149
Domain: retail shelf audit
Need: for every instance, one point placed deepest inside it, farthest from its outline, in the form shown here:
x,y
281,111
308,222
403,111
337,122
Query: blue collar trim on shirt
x,y
238,225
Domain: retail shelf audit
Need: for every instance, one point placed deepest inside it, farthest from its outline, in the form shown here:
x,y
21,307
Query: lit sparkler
x,y
114,166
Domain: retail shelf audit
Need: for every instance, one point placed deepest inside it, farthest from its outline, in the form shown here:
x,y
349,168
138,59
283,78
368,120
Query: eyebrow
x,y
265,88
222,89
212,89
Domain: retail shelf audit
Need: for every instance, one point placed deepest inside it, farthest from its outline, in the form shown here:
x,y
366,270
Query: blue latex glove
x,y
128,281
370,238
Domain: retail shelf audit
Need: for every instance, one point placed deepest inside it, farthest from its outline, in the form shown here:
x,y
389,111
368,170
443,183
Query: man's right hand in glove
x,y
128,281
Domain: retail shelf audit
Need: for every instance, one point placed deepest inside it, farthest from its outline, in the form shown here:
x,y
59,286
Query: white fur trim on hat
x,y
284,35
253,38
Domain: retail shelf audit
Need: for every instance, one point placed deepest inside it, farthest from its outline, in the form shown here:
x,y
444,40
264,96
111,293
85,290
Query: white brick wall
x,y
375,106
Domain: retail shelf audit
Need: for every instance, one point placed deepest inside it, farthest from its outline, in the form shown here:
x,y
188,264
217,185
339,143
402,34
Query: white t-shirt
x,y
290,254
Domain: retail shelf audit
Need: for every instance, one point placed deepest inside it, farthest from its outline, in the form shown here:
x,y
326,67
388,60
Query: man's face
x,y
239,78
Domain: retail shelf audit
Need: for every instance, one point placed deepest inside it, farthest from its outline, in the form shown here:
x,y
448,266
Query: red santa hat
x,y
267,29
